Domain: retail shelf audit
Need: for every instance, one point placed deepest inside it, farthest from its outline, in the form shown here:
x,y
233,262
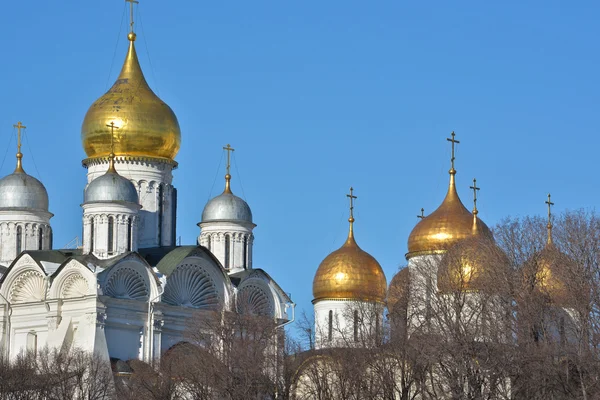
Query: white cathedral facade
x,y
128,292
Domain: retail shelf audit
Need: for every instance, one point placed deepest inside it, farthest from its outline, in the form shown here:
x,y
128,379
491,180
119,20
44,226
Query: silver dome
x,y
19,190
227,207
110,187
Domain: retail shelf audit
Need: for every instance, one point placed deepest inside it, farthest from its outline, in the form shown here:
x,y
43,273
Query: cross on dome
x,y
422,216
19,125
454,141
549,226
228,149
131,34
475,189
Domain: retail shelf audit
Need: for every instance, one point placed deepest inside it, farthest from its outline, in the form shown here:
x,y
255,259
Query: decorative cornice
x,y
423,253
132,159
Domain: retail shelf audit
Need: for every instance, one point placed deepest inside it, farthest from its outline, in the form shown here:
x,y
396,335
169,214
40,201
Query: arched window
x,y
330,328
245,252
160,213
40,239
32,343
19,239
208,243
356,325
111,234
92,234
129,234
227,250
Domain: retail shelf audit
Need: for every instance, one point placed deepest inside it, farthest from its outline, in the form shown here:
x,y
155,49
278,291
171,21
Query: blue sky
x,y
317,97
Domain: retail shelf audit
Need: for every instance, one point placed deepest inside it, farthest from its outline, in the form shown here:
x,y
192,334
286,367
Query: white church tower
x,y
24,215
349,291
146,141
226,227
110,214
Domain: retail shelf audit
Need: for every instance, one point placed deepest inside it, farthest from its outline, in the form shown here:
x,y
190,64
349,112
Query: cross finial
x,y
454,141
229,150
475,189
352,197
111,156
422,216
549,225
131,34
19,125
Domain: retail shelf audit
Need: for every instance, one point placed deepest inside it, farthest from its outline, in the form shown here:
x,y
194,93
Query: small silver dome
x,y
19,190
227,207
110,187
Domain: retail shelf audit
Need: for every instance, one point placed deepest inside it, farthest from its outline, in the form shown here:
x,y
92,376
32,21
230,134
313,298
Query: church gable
x,y
129,278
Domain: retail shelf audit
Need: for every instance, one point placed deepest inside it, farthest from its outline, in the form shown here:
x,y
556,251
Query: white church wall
x,y
231,243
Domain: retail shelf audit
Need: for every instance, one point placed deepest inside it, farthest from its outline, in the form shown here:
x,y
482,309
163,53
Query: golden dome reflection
x,y
146,125
350,272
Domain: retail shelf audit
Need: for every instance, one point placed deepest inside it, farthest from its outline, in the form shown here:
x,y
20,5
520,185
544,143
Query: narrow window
x,y
377,327
40,239
227,250
92,234
32,343
245,252
330,333
160,213
208,244
19,239
356,325
129,233
111,234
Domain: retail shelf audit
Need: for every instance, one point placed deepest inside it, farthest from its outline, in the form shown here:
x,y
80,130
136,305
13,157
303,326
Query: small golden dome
x,y
349,273
146,125
398,292
448,224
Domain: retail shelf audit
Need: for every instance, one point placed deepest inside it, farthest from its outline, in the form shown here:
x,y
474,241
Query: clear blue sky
x,y
317,96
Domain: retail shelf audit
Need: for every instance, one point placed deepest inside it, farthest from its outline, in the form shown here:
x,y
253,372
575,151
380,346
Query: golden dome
x,y
446,226
146,125
349,273
398,292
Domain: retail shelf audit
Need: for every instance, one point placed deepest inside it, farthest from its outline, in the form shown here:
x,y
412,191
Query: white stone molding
x,y
29,286
75,286
73,280
126,283
191,285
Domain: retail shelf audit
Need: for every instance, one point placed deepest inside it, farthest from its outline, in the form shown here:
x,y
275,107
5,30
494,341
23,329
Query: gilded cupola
x,y
147,127
447,225
349,273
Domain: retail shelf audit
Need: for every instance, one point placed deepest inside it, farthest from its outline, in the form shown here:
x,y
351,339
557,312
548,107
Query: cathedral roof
x,y
227,207
110,187
21,191
146,125
350,273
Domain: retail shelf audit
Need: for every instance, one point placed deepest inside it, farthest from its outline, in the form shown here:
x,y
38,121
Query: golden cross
x,y
352,197
131,3
475,189
550,204
454,141
229,149
112,127
422,214
19,126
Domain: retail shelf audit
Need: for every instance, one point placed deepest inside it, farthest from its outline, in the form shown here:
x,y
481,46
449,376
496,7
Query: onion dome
x,y
227,207
21,191
350,273
398,292
110,187
147,126
474,264
447,225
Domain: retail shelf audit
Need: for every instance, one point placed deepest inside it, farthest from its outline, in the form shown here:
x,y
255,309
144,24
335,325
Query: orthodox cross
x,y
550,204
454,141
19,126
131,3
112,127
475,189
229,149
422,214
352,197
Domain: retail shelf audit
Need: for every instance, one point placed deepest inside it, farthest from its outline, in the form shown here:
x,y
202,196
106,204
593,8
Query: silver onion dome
x,y
22,191
110,187
227,207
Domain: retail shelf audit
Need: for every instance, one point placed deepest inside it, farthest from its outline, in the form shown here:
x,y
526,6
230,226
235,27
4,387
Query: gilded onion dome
x,y
147,126
446,226
349,273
